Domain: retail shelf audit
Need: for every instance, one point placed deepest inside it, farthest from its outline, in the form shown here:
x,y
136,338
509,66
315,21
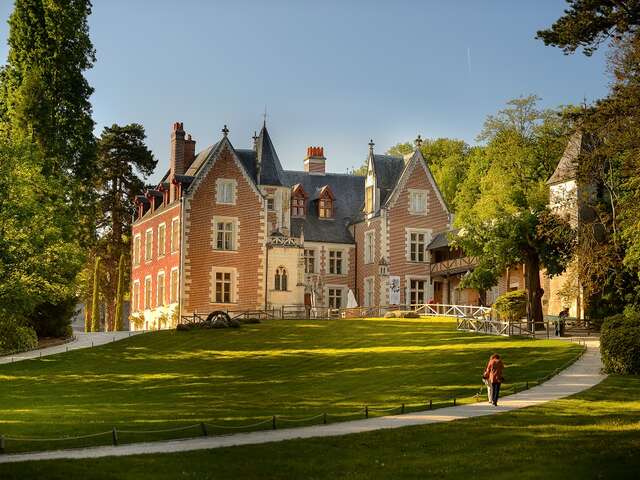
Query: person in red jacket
x,y
493,373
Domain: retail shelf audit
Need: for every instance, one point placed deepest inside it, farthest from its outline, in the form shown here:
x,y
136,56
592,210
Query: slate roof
x,y
270,172
568,165
349,193
442,239
388,170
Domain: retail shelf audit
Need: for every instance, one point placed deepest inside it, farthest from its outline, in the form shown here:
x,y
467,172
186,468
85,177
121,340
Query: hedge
x,y
512,305
15,337
620,343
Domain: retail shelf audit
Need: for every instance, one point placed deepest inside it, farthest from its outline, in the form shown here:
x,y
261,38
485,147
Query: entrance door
x,y
437,292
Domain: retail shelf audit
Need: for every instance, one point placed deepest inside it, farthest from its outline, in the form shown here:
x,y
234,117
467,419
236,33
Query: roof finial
x,y
225,131
418,141
371,144
255,139
264,117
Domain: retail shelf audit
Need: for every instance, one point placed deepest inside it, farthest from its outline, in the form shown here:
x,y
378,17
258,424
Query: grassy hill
x,y
292,369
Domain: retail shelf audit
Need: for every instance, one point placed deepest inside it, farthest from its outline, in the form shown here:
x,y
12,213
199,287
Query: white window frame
x,y
427,239
148,293
174,298
281,279
340,288
343,261
135,296
233,221
175,242
226,191
423,205
162,240
137,242
425,281
160,301
369,291
369,246
232,285
306,260
148,255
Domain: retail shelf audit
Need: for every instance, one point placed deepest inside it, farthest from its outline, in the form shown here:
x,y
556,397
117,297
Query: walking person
x,y
493,374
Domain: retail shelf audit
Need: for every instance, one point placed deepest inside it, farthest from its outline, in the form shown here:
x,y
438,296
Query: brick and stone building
x,y
229,228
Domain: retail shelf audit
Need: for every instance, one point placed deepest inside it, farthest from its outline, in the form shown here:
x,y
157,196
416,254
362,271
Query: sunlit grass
x,y
288,368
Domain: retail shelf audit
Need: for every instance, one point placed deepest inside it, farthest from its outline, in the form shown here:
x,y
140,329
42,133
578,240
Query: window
x,y
309,261
147,293
270,203
325,208
368,291
281,279
224,235
335,297
369,247
226,191
162,234
222,287
148,245
135,296
160,289
417,247
368,205
418,201
335,262
173,286
136,250
417,291
175,235
297,207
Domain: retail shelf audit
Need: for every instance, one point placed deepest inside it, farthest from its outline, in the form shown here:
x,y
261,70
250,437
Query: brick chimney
x,y
314,162
189,152
177,150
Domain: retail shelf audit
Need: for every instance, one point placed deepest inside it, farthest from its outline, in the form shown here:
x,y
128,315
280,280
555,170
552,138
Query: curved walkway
x,y
83,340
583,374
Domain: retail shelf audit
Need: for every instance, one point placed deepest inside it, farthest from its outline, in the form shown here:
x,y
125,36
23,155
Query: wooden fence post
x,y
2,445
430,404
114,436
366,411
324,418
203,427
273,422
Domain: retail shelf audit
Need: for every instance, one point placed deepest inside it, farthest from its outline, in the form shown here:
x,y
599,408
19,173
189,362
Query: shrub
x,y
137,320
511,305
53,319
174,316
249,320
15,337
183,327
620,343
163,319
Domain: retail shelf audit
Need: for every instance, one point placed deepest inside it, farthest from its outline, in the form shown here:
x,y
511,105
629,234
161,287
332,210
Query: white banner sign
x,y
394,290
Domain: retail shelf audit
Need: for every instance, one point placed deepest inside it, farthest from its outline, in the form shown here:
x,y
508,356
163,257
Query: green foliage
x,y
137,320
175,316
587,23
620,343
53,319
119,295
16,337
512,305
95,301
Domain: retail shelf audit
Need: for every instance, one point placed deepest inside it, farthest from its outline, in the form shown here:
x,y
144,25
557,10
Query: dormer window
x,y
368,207
325,203
298,201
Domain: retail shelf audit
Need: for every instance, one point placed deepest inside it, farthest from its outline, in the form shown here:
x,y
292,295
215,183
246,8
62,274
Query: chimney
x,y
314,162
189,152
177,150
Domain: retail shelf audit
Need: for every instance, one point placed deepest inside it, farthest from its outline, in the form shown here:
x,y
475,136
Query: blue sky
x,y
331,73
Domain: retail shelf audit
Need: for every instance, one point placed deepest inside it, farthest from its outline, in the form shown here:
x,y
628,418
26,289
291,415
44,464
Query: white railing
x,y
457,311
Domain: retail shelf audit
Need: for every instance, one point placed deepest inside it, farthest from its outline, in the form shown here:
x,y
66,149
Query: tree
x,y
448,160
95,301
119,295
504,219
587,23
122,164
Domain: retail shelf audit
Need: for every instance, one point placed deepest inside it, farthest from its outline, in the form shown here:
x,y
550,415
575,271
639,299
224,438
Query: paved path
x,y
582,375
83,340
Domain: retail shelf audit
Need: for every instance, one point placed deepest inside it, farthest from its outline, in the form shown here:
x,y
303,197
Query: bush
x,y
620,343
15,337
401,314
137,320
511,305
249,320
53,319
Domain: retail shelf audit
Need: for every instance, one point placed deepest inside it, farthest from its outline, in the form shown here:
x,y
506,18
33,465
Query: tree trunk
x,y
534,292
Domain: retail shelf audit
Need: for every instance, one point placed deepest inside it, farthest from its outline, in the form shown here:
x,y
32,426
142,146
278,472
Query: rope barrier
x,y
164,430
25,439
308,419
264,422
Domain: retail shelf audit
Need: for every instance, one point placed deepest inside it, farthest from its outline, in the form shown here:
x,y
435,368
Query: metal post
x,y
430,404
454,401
324,418
526,385
114,436
366,411
2,445
402,408
203,427
273,422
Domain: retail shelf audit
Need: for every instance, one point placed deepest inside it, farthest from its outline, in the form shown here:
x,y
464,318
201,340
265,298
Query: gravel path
x,y
83,340
583,374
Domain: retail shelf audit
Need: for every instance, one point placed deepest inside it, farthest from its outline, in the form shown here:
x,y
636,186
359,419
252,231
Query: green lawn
x,y
595,434
234,377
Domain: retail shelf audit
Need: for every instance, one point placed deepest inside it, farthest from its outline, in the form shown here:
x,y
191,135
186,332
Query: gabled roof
x,y
270,170
349,198
442,239
567,168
